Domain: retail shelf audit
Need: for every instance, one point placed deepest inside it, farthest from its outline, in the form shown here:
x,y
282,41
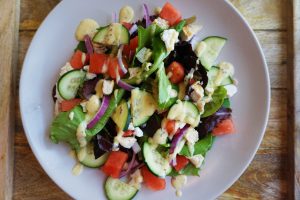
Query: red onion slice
x,y
136,147
120,60
130,166
100,112
133,29
147,15
125,86
178,137
88,44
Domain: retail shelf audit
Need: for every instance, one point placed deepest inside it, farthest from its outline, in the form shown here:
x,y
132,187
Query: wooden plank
x,y
265,178
34,12
263,14
294,98
8,41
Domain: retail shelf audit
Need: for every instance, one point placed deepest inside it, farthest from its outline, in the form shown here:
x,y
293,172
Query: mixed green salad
x,y
143,100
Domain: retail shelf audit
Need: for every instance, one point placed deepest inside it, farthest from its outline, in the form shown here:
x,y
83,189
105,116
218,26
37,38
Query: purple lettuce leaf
x,y
209,123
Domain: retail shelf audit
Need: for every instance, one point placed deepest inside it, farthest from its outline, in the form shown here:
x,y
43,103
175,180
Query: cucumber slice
x,y
186,112
156,163
69,83
115,189
122,116
212,73
113,34
86,157
143,106
214,45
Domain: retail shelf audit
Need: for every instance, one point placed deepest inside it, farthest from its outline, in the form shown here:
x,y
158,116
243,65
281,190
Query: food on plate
x,y
143,100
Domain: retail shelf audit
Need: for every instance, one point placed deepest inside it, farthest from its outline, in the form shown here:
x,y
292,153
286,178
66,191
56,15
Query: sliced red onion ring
x,y
124,85
114,17
88,44
147,15
136,147
130,166
120,60
178,137
133,29
100,112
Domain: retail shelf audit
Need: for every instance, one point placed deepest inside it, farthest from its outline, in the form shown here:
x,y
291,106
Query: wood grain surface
x,y
267,175
8,42
294,98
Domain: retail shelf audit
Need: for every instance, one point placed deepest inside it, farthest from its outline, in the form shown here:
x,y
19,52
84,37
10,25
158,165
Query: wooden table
x,y
268,175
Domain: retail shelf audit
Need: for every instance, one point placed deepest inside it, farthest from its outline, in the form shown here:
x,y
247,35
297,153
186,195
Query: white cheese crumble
x,y
80,134
136,179
178,182
162,23
138,132
171,92
197,160
66,68
170,37
71,115
108,87
189,31
231,90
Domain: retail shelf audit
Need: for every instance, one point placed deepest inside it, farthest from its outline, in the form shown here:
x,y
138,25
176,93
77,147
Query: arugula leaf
x,y
201,147
226,103
81,47
164,99
180,26
64,130
216,103
189,170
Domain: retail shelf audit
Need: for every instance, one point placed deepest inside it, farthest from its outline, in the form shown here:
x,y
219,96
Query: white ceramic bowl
x,y
53,45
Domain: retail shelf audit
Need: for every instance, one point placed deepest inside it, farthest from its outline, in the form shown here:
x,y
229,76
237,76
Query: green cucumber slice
x,y
69,83
86,157
156,163
213,72
185,111
214,45
143,106
115,189
121,116
113,34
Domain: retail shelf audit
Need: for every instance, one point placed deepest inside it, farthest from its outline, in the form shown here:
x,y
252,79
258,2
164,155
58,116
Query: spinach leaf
x,y
216,103
189,170
64,130
81,47
226,103
180,26
201,147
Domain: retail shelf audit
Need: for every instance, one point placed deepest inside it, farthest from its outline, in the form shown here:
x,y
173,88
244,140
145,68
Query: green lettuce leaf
x,y
180,26
217,100
226,103
64,130
201,147
164,99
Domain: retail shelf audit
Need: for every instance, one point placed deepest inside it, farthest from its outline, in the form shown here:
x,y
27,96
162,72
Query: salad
x,y
143,100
